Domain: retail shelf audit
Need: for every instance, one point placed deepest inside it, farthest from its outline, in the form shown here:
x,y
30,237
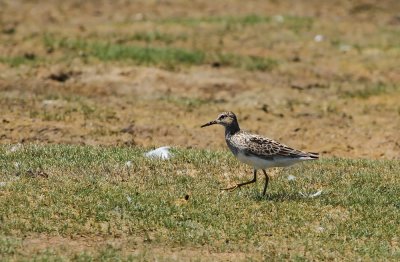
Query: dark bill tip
x,y
209,123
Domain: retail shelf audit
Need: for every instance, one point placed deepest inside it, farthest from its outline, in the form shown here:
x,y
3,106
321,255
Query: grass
x,y
372,90
138,54
244,20
189,103
15,61
156,36
251,63
293,22
168,57
91,194
66,108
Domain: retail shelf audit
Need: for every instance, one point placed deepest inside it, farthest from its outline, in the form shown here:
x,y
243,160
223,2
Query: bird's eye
x,y
222,117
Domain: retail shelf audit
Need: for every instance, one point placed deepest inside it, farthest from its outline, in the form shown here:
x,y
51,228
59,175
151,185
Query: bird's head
x,y
226,119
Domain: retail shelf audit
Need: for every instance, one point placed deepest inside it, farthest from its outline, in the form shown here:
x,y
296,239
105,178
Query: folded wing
x,y
269,149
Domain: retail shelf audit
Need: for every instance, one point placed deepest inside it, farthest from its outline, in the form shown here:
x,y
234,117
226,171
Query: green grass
x,y
156,36
16,61
91,193
372,90
138,54
168,57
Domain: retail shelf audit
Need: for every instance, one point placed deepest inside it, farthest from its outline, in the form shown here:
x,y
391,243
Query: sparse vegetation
x,y
156,36
186,102
164,56
245,20
372,90
293,22
16,61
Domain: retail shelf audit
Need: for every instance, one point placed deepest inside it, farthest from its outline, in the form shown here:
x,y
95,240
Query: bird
x,y
257,151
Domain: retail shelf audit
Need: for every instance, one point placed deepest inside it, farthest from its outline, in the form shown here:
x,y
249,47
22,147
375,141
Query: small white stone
x,y
161,153
129,199
3,184
15,148
318,38
291,178
128,164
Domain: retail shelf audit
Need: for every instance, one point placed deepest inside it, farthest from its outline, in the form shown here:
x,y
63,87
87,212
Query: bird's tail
x,y
313,155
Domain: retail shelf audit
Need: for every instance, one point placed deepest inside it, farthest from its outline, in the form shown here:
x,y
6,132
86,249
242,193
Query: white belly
x,y
259,163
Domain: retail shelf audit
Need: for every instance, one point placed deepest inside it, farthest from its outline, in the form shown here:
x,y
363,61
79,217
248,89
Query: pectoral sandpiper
x,y
257,151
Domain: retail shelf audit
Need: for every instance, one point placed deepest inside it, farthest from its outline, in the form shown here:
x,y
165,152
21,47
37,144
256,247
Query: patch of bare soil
x,y
136,247
153,107
313,99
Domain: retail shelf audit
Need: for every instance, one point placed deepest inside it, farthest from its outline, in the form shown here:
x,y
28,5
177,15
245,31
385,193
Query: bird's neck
x,y
232,129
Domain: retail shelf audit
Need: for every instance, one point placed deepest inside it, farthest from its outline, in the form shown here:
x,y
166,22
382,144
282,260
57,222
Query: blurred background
x,y
318,75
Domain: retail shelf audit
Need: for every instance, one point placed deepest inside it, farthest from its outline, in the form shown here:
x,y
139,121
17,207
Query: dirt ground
x,y
335,88
135,247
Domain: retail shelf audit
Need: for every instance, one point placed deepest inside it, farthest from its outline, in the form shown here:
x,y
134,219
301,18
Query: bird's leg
x,y
266,181
242,184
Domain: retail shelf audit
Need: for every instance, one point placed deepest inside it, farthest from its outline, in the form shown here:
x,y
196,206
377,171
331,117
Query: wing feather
x,y
268,149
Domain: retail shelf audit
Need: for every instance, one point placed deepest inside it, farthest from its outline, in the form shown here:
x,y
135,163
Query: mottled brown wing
x,y
268,148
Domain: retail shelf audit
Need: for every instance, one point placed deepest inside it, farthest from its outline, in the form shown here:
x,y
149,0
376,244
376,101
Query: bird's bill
x,y
210,123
